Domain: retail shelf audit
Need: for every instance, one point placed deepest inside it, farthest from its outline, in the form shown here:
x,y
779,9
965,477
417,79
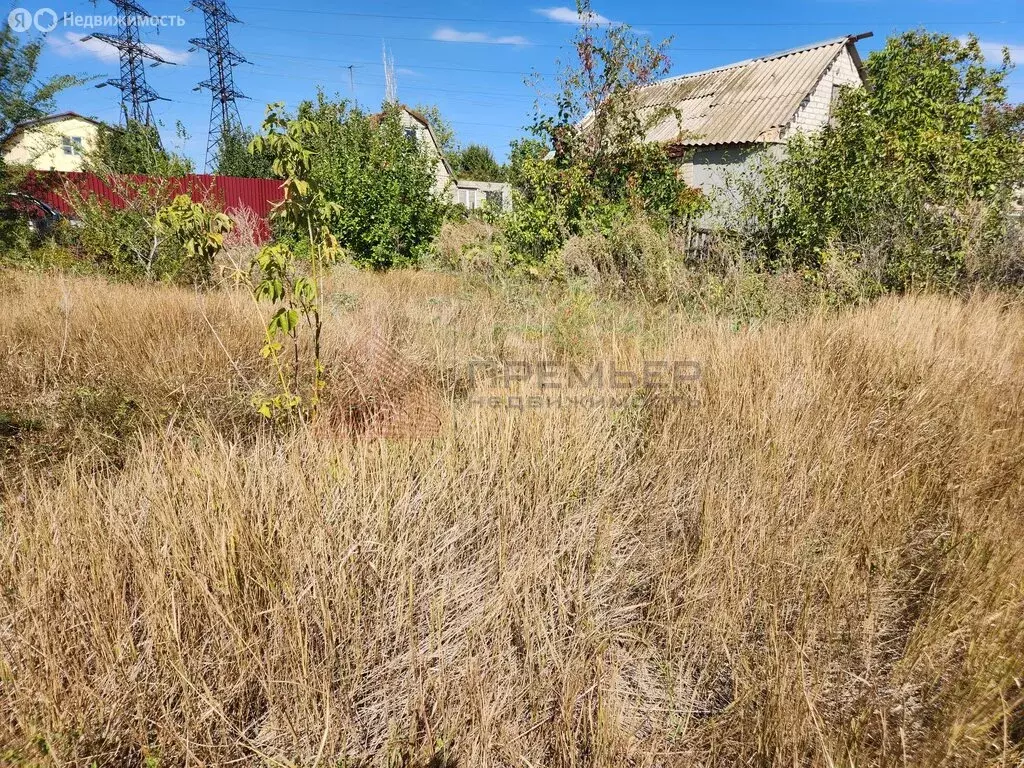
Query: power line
x,y
526,44
680,23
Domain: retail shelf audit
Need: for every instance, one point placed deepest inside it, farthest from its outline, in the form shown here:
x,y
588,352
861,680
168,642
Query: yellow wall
x,y
42,146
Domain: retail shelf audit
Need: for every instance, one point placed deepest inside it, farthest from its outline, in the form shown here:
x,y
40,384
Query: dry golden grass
x,y
813,559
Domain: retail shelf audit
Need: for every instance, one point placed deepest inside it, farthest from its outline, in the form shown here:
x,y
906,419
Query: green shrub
x,y
381,181
192,236
155,235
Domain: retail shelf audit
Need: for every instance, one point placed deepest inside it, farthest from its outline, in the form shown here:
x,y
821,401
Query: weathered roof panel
x,y
751,101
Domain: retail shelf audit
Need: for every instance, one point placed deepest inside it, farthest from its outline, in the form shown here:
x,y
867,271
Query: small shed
x,y
479,194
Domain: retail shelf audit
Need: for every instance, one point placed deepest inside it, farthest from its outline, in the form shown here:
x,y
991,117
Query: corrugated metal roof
x,y
751,101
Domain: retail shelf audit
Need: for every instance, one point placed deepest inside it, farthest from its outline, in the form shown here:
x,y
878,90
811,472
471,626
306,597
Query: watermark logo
x,y
20,20
46,20
521,385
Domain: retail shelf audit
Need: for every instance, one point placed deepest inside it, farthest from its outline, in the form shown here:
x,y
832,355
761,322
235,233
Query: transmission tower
x,y
221,85
136,95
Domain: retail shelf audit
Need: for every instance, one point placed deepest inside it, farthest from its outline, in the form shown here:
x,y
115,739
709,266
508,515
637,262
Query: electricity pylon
x,y
221,84
136,95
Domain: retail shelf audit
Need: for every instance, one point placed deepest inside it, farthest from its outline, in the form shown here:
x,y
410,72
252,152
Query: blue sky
x,y
469,58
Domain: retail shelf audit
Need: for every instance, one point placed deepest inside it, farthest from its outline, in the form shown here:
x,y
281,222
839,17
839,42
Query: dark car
x,y
39,217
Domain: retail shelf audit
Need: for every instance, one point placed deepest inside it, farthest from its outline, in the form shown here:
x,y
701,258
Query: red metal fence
x,y
226,193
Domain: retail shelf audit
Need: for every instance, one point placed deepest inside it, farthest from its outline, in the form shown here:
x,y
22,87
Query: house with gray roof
x,y
725,117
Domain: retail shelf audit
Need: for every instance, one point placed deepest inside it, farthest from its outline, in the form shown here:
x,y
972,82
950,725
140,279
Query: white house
x,y
471,194
726,116
52,143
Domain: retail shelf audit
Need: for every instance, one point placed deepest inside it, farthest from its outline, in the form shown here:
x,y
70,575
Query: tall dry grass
x,y
813,558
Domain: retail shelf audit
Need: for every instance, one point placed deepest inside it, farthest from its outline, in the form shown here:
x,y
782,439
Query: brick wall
x,y
815,110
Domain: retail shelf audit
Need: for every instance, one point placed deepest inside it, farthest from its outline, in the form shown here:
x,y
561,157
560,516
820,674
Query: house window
x,y
837,94
410,134
494,198
72,145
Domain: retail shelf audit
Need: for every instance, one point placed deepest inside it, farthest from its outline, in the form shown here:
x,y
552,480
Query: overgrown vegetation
x,y
381,182
284,503
913,178
602,171
154,233
812,556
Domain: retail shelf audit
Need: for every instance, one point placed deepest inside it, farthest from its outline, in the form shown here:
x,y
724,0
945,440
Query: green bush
x,y
156,235
381,181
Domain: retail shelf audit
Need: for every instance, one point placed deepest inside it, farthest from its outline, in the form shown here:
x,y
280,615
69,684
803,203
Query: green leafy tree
x,y
23,96
603,168
234,157
522,152
916,170
382,182
136,149
305,215
477,162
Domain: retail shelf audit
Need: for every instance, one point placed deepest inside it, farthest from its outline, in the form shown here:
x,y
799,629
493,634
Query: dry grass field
x,y
813,556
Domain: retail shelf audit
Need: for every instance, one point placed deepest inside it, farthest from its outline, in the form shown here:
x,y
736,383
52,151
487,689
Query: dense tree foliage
x,y
23,96
476,162
235,159
380,182
136,149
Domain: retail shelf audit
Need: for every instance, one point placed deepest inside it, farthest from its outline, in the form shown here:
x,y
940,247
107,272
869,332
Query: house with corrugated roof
x,y
725,117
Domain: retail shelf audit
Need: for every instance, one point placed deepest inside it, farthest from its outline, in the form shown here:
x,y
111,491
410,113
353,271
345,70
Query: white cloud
x,y
408,72
569,16
449,35
994,52
71,45
170,54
